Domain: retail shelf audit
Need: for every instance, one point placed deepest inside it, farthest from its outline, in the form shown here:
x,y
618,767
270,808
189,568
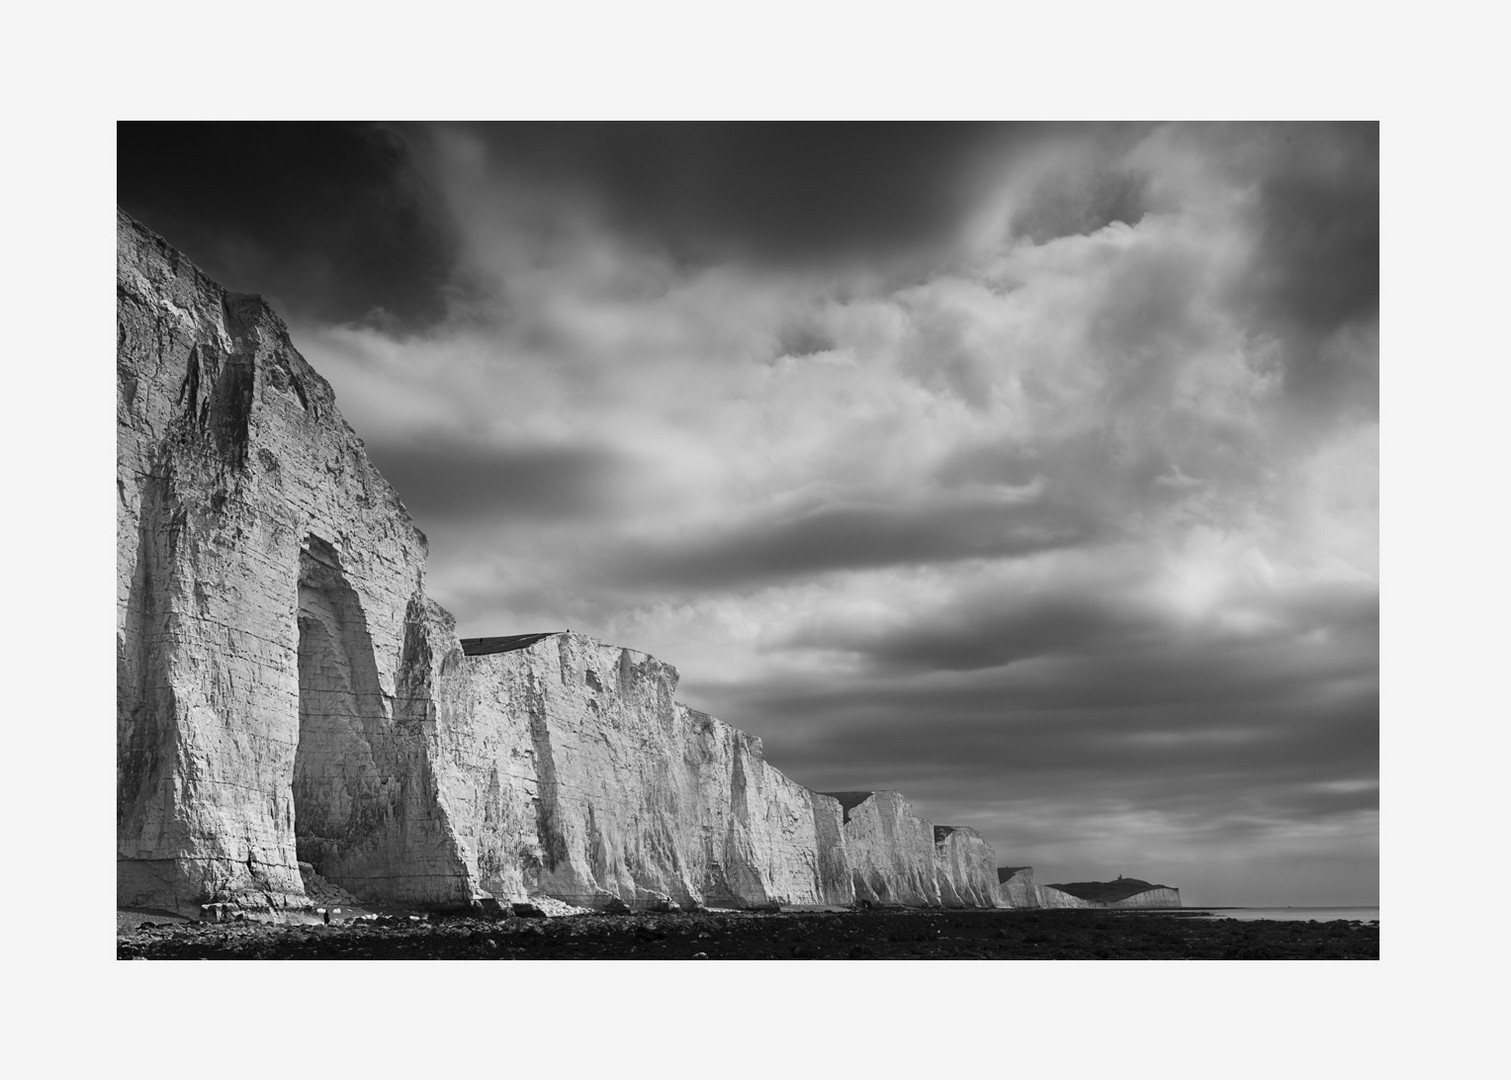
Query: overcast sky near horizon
x,y
1029,470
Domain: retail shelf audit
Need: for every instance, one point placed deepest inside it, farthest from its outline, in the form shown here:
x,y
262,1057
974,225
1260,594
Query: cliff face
x,y
580,769
1162,897
272,641
1122,893
1016,888
891,851
965,867
1051,897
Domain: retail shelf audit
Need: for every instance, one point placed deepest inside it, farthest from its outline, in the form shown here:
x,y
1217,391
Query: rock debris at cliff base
x,y
895,934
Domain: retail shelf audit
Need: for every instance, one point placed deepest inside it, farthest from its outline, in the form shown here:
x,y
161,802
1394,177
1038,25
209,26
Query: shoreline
x,y
884,934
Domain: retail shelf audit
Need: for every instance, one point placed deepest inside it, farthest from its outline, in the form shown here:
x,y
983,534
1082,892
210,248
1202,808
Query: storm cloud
x,y
455,481
788,194
852,536
327,220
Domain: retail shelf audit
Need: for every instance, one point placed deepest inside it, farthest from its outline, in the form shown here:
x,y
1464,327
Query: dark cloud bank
x,y
854,537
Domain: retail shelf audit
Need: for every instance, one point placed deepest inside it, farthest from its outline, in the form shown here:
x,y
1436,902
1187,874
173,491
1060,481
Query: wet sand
x,y
889,934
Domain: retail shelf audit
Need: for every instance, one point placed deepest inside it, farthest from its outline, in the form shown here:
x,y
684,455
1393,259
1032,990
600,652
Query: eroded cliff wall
x,y
890,849
1051,897
1016,887
1048,896
965,868
272,635
582,770
1163,897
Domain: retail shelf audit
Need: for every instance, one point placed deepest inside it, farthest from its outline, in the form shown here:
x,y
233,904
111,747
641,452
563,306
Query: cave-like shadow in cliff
x,y
338,788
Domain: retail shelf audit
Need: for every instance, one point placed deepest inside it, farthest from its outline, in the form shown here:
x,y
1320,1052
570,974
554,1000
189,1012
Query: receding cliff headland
x,y
298,723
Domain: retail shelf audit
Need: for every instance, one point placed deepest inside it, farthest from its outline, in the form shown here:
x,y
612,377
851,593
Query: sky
x,y
1031,470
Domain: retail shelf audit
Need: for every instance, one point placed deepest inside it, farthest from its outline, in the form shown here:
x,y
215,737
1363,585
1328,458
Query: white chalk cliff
x,y
611,790
273,640
1155,896
1017,888
287,693
966,868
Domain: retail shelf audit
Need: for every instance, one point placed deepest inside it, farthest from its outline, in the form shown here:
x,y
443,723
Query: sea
x,y
1293,914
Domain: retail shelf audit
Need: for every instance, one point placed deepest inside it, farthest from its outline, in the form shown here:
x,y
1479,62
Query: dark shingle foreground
x,y
484,646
